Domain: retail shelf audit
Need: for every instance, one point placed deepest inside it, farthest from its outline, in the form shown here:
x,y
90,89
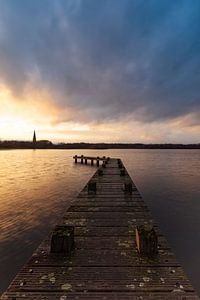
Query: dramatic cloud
x,y
105,59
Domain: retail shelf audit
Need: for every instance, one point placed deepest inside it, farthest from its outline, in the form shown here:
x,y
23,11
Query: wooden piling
x,y
92,159
62,240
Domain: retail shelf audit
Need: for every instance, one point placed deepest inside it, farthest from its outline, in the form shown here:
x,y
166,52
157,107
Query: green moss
x,y
145,231
64,231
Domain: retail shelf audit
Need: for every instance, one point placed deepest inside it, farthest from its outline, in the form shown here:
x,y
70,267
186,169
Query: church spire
x,y
34,137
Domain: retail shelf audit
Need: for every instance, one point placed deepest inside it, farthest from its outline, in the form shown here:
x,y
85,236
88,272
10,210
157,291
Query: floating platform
x,y
105,264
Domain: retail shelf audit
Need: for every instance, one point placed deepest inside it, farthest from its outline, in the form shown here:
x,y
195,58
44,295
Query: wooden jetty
x,y
85,159
105,263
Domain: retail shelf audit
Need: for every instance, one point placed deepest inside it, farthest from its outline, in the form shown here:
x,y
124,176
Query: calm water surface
x,y
35,187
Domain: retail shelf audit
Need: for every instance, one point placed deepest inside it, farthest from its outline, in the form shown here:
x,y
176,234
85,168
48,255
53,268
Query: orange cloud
x,y
36,109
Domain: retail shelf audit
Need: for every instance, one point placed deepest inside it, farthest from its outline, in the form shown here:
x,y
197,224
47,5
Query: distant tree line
x,y
45,144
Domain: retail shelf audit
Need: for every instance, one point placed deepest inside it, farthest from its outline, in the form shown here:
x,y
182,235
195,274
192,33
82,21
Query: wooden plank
x,y
87,295
111,279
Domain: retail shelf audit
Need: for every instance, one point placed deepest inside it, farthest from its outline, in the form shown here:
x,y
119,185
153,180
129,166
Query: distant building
x,y
34,139
40,144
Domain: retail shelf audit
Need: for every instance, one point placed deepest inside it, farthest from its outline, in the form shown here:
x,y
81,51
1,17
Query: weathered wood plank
x,y
87,295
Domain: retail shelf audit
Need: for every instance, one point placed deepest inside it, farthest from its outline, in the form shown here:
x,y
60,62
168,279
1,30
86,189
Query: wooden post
x,y
128,187
86,161
75,159
122,172
100,172
62,240
146,241
92,162
81,159
92,187
103,165
97,162
120,165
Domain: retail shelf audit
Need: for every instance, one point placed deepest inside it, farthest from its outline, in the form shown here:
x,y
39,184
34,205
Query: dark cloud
x,y
107,58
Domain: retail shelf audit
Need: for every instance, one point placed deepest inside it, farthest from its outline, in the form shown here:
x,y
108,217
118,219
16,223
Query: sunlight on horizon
x,y
18,119
35,110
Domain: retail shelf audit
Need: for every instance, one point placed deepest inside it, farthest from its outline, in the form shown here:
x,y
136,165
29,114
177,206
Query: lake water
x,y
35,187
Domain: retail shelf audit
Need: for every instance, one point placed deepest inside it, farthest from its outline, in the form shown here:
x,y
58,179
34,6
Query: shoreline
x,y
148,147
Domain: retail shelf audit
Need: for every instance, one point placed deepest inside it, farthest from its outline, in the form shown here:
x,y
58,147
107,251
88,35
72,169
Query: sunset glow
x,y
122,82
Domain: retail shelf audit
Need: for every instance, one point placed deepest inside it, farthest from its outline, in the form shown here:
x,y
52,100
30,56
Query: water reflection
x,y
35,187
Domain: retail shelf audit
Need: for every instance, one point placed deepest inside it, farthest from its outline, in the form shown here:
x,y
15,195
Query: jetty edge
x,y
103,262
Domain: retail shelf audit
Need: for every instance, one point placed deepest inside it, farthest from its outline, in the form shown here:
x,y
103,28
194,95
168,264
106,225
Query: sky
x,y
100,71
